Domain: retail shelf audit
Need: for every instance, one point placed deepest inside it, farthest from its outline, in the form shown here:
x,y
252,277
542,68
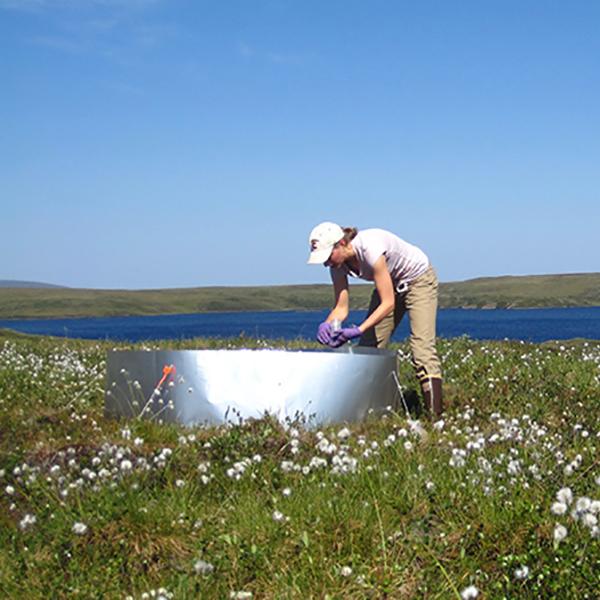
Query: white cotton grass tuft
x,y
79,528
417,428
522,572
27,521
589,520
560,533
126,465
344,433
469,593
565,495
559,508
201,567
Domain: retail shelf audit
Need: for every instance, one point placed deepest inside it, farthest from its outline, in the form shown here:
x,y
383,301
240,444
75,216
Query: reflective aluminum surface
x,y
218,386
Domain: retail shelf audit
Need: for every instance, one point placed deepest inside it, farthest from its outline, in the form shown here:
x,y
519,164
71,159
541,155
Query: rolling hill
x,y
488,292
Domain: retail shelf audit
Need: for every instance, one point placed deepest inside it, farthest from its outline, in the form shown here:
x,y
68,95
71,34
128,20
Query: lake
x,y
535,325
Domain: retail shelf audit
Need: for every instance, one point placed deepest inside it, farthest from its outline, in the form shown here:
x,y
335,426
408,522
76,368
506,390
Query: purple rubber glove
x,y
324,333
344,335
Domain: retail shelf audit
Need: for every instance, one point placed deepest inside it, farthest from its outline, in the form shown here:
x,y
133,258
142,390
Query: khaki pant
x,y
420,301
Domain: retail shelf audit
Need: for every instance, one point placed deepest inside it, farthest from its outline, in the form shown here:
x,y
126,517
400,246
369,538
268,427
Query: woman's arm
x,y
342,297
385,288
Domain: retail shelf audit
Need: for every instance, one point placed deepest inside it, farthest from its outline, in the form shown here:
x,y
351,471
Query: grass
x,y
491,292
384,508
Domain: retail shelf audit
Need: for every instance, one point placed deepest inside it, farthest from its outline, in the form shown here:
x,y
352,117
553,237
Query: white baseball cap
x,y
322,239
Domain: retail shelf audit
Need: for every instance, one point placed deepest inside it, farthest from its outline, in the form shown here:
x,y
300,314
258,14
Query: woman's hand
x,y
344,335
324,333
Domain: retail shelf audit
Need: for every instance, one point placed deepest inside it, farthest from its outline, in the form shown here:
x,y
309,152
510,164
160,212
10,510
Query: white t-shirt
x,y
405,262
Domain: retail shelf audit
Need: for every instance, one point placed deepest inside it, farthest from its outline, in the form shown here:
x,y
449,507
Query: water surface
x,y
534,325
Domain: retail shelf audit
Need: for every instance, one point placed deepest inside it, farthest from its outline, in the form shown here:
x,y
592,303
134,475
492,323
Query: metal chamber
x,y
213,387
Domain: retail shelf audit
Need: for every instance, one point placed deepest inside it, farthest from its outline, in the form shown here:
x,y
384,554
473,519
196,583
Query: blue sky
x,y
177,143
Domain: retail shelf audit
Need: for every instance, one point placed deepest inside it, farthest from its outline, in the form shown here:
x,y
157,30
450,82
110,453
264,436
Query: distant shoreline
x,y
290,310
490,293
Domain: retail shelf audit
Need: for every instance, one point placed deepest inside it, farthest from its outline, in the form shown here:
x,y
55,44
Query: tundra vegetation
x,y
500,499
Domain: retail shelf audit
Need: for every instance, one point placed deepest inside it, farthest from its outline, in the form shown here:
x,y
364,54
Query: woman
x,y
404,282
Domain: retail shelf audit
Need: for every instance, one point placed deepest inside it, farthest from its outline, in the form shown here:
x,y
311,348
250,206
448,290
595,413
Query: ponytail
x,y
349,233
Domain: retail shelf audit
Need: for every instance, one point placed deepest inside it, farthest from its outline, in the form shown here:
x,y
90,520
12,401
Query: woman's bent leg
x,y
379,335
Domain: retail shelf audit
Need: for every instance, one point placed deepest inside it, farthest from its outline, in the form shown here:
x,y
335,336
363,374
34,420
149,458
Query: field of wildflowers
x,y
500,499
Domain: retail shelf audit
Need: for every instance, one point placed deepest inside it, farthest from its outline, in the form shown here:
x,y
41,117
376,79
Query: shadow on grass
x,y
414,404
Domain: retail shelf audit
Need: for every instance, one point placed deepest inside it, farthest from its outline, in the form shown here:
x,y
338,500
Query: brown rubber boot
x,y
432,396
